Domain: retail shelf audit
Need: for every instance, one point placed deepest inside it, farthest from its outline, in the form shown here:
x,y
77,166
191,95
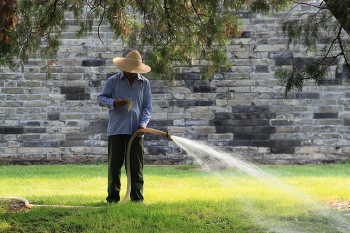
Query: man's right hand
x,y
119,102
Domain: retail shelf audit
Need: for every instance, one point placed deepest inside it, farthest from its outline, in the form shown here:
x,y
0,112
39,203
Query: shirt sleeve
x,y
105,99
147,105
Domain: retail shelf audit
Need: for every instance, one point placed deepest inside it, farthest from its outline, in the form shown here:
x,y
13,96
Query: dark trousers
x,y
117,146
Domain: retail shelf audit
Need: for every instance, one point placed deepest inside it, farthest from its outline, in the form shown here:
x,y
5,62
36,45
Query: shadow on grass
x,y
184,216
189,216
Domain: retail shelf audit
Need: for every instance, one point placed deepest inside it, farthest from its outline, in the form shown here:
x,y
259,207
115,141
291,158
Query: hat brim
x,y
131,66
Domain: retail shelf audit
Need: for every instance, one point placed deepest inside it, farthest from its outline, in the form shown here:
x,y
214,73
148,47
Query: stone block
x,y
29,150
224,136
251,136
30,137
35,130
12,90
245,34
332,122
282,150
41,144
53,116
262,69
320,115
282,122
204,102
179,115
11,130
280,55
264,143
78,96
204,89
240,143
288,143
250,109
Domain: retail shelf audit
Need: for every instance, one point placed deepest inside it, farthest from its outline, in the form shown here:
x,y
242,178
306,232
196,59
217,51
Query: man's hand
x,y
141,127
119,102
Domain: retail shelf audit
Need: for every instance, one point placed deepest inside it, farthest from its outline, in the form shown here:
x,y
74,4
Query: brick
x,y
12,90
78,96
72,143
27,150
245,34
282,150
254,115
11,130
99,123
204,102
240,143
288,143
94,62
247,122
228,136
250,109
181,103
28,84
204,89
329,82
53,116
318,115
32,123
331,122
95,83
187,76
72,90
35,130
262,69
246,129
282,122
264,143
310,95
160,123
91,129
27,137
251,136
160,90
280,55
41,144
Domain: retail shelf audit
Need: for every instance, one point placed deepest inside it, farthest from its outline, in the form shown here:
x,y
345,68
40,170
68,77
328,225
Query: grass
x,y
177,199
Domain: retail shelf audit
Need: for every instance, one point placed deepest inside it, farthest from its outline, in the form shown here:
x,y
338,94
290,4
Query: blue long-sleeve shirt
x,y
120,120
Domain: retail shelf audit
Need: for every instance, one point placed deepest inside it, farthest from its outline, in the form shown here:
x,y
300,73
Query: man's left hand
x,y
141,127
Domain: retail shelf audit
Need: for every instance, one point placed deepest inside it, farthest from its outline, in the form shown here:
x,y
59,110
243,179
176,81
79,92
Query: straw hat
x,y
132,63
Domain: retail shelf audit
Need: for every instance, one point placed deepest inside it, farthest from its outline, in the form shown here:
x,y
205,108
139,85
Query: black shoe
x,y
137,201
112,200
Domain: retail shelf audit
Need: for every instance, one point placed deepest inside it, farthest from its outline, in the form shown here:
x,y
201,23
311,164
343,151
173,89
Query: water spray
x,y
128,174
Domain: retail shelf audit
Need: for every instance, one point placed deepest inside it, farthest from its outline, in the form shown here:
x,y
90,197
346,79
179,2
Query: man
x,y
128,96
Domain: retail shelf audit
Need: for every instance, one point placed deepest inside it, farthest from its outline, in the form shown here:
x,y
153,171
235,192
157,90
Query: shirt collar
x,y
138,76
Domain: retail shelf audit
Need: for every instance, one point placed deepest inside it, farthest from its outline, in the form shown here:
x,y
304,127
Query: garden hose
x,y
28,205
127,159
128,173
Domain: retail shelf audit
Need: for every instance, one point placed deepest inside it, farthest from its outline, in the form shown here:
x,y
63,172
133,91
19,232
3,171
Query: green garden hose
x,y
127,159
28,205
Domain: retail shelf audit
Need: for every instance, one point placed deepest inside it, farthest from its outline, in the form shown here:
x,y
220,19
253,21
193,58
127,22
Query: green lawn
x,y
178,199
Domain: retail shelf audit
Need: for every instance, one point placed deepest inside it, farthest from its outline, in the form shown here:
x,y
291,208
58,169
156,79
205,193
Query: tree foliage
x,y
328,26
170,32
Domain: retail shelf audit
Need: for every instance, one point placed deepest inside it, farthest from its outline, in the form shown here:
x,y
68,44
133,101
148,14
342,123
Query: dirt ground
x,y
12,206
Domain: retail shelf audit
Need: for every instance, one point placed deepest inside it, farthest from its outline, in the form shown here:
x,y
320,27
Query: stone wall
x,y
57,120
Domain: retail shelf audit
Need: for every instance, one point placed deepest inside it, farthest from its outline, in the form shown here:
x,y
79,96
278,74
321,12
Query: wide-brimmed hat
x,y
132,63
